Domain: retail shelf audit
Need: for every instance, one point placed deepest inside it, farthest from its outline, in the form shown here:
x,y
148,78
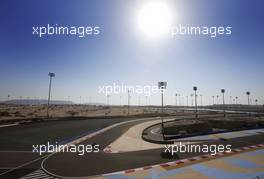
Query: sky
x,y
122,54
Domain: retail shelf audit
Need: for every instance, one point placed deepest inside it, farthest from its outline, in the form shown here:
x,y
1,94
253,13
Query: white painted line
x,y
37,177
15,151
37,174
9,125
27,163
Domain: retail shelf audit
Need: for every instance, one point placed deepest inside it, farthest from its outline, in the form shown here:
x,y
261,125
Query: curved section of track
x,y
94,164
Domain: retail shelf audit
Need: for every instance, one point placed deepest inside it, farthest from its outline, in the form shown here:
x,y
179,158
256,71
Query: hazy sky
x,y
122,54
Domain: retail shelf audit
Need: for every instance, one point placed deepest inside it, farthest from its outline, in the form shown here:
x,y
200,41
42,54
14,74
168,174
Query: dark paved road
x,y
16,141
71,164
22,137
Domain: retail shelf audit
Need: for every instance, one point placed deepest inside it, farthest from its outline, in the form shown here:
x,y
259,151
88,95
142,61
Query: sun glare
x,y
154,19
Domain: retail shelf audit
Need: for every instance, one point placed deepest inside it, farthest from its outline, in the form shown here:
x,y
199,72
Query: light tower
x,y
223,92
195,97
162,87
179,99
128,101
192,99
51,75
248,94
176,99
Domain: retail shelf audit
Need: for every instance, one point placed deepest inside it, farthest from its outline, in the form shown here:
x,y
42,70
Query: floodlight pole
x,y
162,86
176,99
128,101
179,99
248,94
162,102
50,75
162,122
192,99
195,97
223,92
90,100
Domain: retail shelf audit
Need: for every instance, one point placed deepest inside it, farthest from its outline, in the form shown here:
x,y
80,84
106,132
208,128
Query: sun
x,y
154,19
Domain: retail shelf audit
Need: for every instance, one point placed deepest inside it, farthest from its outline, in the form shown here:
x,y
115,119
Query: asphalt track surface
x,y
16,141
22,137
74,165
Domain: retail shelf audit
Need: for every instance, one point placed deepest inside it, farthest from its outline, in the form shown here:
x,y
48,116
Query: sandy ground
x,y
64,111
40,111
133,135
136,143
